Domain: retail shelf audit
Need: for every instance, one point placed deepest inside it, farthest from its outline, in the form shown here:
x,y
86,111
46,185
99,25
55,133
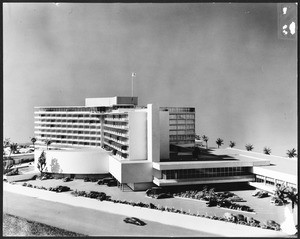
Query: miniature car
x,y
135,221
62,189
262,194
163,195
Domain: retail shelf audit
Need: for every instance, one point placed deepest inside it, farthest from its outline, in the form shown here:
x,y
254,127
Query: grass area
x,y
16,226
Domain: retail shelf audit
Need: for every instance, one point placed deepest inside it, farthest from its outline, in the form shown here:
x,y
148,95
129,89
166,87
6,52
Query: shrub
x,y
24,184
86,179
29,185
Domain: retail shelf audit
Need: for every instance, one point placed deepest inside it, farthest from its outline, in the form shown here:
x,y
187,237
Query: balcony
x,y
116,126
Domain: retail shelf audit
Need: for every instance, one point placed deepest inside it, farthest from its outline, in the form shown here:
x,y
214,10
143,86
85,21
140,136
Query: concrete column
x,y
102,130
153,133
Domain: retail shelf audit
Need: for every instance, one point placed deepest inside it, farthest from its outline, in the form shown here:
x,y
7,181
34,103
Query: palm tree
x,y
219,142
205,138
291,153
48,142
267,150
33,140
292,195
231,144
249,147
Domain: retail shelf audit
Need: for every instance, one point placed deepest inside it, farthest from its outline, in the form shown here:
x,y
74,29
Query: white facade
x,y
137,130
137,142
75,161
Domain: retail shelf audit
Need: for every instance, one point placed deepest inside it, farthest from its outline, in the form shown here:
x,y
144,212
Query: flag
x,y
133,74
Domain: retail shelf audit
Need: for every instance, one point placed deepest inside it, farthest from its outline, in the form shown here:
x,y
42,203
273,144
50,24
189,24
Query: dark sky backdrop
x,y
226,60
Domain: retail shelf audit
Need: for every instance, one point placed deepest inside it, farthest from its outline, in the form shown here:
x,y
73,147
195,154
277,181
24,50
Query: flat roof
x,y
277,163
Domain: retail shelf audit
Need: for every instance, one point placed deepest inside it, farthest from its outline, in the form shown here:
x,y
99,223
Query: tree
x,y
267,150
48,142
6,142
33,140
291,153
205,139
231,144
249,147
292,195
41,162
282,192
13,148
219,142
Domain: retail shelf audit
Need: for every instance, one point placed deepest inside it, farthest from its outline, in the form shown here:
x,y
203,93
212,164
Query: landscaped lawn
x,y
16,226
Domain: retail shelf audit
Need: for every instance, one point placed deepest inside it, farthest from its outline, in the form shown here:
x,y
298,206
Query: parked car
x,y
262,194
272,225
163,195
236,199
62,189
105,180
135,221
112,183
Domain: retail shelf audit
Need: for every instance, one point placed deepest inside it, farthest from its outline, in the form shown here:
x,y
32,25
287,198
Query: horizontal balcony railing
x,y
67,118
66,123
116,133
68,134
117,119
115,140
116,126
67,140
117,148
68,128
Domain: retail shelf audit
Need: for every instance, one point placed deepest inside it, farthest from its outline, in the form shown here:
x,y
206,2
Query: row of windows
x,y
72,109
77,143
67,115
172,121
177,127
49,127
47,136
182,137
69,121
116,123
118,116
182,116
272,181
65,130
205,173
182,132
177,109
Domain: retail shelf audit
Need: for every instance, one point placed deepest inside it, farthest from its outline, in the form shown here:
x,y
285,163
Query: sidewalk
x,y
190,222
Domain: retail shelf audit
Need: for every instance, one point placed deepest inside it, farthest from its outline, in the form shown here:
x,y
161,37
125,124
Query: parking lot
x,y
263,209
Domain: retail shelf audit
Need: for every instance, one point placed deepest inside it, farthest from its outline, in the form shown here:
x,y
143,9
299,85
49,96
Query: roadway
x,y
83,220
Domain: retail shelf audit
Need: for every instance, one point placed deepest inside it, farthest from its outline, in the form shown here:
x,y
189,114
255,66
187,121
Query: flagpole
x,y
132,85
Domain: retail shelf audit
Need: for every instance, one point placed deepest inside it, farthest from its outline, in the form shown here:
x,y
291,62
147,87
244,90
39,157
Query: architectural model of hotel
x,y
141,146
